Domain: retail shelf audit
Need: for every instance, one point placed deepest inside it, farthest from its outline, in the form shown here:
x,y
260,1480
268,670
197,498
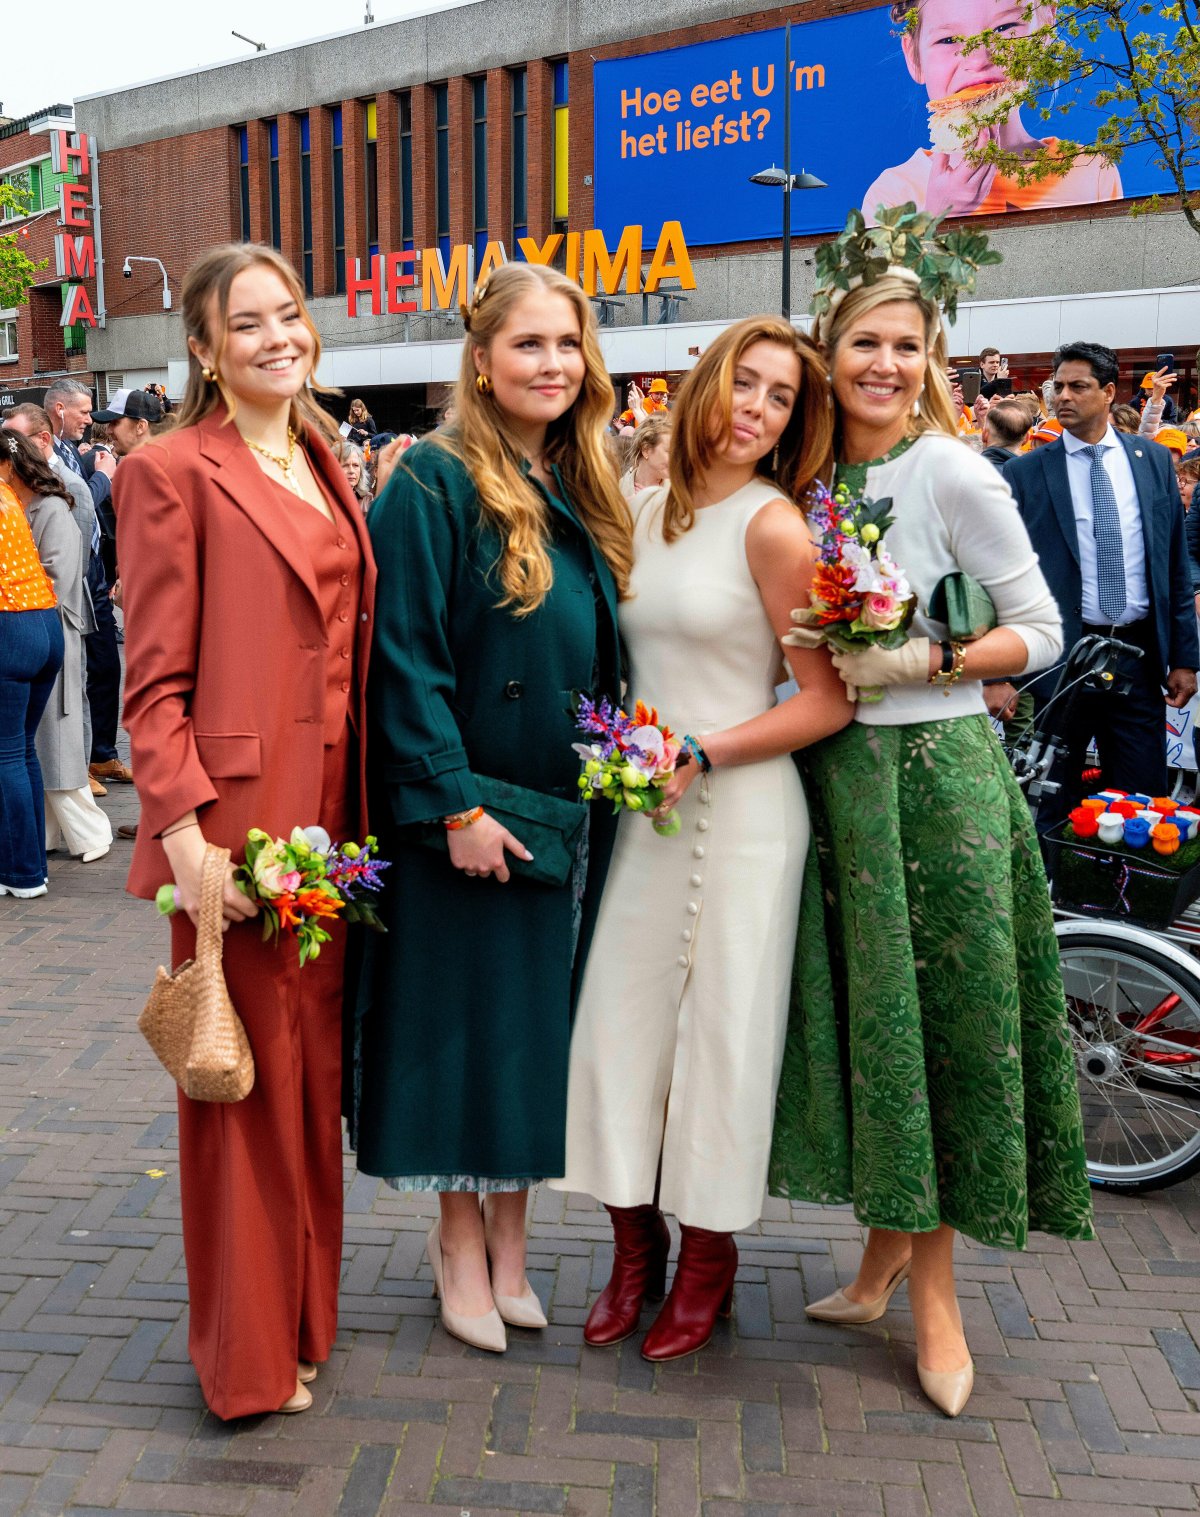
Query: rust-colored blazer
x,y
225,644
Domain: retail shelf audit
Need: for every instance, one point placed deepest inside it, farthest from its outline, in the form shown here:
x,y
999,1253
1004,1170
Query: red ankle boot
x,y
639,1274
701,1292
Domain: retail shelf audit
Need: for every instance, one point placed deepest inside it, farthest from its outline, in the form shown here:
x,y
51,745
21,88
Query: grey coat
x,y
60,547
85,519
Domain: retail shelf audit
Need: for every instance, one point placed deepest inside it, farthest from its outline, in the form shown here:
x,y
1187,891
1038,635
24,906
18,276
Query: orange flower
x,y
317,904
647,716
833,594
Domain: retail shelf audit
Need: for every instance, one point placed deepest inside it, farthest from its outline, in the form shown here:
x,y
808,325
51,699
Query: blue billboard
x,y
678,133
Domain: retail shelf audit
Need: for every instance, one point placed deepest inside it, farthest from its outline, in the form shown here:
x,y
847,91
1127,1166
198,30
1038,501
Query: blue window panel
x,y
244,146
336,115
560,82
274,139
305,141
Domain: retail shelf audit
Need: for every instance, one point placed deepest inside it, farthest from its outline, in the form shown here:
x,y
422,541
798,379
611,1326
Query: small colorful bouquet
x,y
629,761
303,885
860,597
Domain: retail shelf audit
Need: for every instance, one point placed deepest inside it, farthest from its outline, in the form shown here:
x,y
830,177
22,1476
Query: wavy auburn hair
x,y
935,407
482,437
211,276
703,415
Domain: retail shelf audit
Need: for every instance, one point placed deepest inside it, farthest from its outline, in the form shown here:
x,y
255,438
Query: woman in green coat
x,y
503,545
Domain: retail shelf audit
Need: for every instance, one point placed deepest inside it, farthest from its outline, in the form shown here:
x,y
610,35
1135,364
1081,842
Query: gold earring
x,y
775,460
209,375
483,384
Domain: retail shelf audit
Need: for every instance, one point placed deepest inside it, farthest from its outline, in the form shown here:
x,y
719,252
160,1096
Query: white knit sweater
x,y
954,511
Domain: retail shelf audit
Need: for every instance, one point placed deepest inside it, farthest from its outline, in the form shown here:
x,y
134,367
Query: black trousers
x,y
1130,730
104,682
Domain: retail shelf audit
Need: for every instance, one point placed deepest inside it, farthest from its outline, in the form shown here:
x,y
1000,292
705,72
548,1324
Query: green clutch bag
x,y
549,827
964,605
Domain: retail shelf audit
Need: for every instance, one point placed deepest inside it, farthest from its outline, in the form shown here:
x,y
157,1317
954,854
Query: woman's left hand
x,y
906,665
675,791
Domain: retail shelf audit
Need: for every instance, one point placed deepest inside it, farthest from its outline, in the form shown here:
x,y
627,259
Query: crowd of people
x,y
326,626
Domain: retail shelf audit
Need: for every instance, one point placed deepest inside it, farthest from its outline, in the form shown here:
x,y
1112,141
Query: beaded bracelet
x,y
461,819
692,745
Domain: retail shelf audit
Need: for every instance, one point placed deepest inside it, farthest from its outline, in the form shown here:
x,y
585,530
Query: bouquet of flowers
x,y
860,597
629,760
303,885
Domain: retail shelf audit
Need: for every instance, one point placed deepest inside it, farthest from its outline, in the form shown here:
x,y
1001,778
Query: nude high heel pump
x,y
306,1373
485,1331
949,1390
840,1309
524,1310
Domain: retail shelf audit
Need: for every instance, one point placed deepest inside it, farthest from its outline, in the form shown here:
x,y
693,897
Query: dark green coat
x,y
465,1006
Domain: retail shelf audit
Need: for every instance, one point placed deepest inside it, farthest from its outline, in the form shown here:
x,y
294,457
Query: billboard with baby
x,y
875,96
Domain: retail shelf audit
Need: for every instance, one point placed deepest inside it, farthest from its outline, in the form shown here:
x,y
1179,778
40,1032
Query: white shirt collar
x,y
1074,444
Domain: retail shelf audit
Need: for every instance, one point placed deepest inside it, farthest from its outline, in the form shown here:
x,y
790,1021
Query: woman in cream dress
x,y
678,1037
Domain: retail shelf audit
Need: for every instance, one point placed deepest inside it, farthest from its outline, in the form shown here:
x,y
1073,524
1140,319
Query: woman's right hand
x,y
185,851
479,849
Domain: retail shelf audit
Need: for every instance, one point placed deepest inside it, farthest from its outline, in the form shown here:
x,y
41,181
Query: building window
x,y
8,337
372,177
441,121
562,117
520,172
306,222
29,184
244,178
273,157
339,209
406,171
479,163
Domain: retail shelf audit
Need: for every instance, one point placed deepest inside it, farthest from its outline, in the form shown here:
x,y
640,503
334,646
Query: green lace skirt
x,y
928,1075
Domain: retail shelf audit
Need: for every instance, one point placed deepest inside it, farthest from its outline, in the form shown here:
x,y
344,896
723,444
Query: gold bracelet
x,y
948,678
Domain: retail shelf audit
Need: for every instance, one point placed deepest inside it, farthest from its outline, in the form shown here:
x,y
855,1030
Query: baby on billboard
x,y
939,177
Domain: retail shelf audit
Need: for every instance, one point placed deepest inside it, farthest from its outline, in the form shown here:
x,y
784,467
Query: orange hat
x,y
1047,431
1148,381
1173,438
658,387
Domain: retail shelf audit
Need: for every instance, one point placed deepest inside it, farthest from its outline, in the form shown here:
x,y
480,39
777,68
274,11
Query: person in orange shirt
x,y
938,178
31,654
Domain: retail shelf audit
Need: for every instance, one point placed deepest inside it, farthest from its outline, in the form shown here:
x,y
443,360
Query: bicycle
x,y
1133,992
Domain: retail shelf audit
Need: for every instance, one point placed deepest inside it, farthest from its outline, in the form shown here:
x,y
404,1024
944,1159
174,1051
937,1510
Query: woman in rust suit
x,y
248,584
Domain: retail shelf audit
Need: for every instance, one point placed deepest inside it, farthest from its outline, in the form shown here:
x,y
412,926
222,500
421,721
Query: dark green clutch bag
x,y
964,605
549,826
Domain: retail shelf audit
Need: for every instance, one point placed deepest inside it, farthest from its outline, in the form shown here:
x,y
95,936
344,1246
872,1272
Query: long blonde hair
x,y
213,273
483,439
703,414
935,406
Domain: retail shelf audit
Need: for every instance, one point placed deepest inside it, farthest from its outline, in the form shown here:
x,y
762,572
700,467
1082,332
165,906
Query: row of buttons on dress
x,y
696,880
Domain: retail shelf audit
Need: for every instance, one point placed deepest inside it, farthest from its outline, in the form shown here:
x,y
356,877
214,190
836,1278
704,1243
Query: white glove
x,y
906,665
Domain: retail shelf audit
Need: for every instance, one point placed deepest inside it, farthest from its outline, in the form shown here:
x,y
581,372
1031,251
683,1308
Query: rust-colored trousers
x,y
262,1178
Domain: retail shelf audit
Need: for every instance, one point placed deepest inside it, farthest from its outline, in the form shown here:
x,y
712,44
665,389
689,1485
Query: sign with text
x,y
678,133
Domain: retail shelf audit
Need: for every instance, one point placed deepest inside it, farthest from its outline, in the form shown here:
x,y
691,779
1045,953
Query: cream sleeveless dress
x,y
679,1032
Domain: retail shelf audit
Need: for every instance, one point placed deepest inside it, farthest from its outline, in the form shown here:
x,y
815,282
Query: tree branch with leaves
x,y
17,269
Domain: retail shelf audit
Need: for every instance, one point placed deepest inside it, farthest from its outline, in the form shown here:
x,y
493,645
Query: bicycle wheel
x,y
1134,1006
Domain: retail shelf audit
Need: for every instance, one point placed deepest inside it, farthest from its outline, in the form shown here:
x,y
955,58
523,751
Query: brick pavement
x,y
1088,1393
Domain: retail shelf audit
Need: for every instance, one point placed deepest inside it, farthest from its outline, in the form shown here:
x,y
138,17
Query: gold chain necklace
x,y
286,466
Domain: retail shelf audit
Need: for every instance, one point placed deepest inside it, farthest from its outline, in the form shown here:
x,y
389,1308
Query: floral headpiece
x,y
469,308
907,242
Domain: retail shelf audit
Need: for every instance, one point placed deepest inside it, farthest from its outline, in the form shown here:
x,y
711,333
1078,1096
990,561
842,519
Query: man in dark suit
x,y
1104,514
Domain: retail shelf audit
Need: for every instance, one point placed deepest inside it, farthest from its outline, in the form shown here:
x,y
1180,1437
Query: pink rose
x,y
666,764
881,612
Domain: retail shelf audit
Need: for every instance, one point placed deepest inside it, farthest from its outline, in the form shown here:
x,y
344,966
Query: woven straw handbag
x,y
189,1020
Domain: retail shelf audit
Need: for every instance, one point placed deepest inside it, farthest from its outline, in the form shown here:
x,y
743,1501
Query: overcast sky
x,y
71,49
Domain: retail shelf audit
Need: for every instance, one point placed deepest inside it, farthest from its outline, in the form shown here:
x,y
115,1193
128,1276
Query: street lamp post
x,y
784,178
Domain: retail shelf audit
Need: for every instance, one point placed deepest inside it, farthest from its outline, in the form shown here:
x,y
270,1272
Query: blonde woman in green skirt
x,y
949,1030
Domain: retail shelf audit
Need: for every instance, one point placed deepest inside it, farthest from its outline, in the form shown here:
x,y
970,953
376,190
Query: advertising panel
x,y
679,132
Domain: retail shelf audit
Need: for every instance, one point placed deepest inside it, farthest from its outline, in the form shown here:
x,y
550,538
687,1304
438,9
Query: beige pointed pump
x,y
840,1309
485,1331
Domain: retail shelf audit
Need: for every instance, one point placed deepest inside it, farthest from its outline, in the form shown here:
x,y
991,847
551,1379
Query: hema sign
x,y
679,132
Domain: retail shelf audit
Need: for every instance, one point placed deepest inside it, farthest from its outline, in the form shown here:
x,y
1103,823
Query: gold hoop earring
x,y
483,384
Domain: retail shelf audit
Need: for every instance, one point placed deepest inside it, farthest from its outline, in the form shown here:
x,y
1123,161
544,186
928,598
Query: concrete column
x,y
320,137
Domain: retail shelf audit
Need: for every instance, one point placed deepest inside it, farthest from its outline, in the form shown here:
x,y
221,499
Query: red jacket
x,y
225,644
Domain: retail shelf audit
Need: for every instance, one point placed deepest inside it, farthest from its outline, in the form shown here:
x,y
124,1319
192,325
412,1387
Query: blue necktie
x,y
67,454
1106,528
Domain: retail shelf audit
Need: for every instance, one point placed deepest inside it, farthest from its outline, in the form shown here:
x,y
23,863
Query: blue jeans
x,y
31,654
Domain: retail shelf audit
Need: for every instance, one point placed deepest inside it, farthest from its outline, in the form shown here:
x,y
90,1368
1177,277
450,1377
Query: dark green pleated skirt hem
x,y
928,1075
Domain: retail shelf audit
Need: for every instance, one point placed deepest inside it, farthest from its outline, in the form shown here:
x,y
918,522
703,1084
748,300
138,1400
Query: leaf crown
x,y
907,241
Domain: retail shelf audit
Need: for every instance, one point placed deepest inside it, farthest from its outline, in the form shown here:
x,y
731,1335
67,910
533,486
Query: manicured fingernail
x,y
528,857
